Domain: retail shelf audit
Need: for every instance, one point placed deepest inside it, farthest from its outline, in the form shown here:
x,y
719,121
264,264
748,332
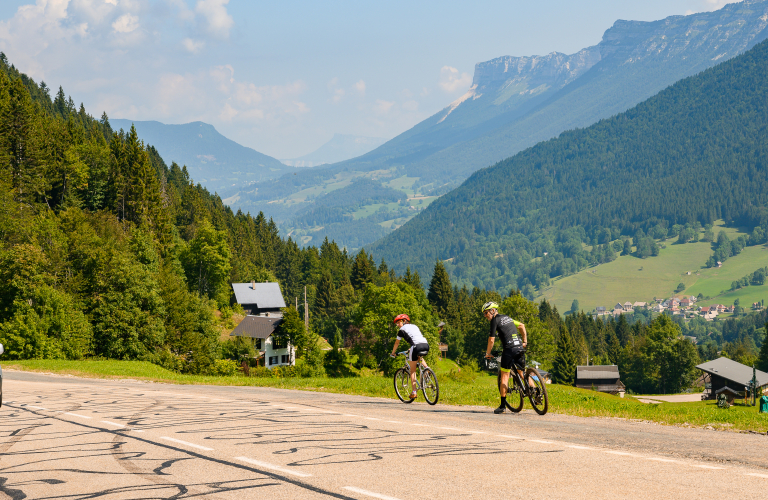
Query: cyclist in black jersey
x,y
510,333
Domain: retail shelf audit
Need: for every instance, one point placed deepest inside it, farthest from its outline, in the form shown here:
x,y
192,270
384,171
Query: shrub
x,y
225,367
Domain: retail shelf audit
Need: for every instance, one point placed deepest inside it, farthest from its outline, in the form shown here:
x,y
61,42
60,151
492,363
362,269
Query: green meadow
x,y
629,278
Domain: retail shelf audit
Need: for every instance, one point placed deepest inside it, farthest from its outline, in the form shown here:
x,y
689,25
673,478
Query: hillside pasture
x,y
629,278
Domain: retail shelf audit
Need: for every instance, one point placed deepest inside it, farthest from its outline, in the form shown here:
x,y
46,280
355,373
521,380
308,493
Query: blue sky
x,y
283,77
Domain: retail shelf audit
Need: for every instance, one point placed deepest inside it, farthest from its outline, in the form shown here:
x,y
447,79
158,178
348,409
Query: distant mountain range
x,y
341,147
515,102
213,160
654,175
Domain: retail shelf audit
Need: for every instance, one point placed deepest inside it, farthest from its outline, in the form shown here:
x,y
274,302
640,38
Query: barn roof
x,y
733,371
264,295
257,327
595,372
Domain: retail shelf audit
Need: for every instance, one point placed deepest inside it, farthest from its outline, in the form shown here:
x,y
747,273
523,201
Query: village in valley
x,y
684,306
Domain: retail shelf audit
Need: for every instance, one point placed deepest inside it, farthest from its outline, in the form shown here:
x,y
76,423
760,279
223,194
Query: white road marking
x,y
36,407
350,415
111,423
509,437
393,422
421,425
449,428
540,441
193,445
755,474
620,453
657,459
369,493
371,418
579,447
708,467
76,415
273,467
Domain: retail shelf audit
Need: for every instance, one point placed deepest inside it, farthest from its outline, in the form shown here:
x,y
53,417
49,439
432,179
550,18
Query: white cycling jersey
x,y
411,334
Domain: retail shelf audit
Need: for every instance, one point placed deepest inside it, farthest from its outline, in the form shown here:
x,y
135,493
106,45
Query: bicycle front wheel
x,y
538,393
429,386
514,393
403,385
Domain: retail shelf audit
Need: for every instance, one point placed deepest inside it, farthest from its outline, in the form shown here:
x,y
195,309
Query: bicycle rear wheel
x,y
429,386
403,385
538,393
514,394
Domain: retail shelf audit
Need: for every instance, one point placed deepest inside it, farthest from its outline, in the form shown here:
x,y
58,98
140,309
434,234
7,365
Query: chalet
x,y
600,310
658,308
640,305
618,307
627,306
704,310
725,373
259,298
685,302
273,351
720,308
602,378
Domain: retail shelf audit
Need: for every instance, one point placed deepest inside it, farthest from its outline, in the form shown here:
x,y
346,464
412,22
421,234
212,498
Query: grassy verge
x,y
481,392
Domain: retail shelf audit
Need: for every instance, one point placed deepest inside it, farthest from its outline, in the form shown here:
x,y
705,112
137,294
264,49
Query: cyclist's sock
x,y
503,401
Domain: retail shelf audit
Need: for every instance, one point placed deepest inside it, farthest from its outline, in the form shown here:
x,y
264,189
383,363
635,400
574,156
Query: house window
x,y
257,344
279,342
272,360
285,358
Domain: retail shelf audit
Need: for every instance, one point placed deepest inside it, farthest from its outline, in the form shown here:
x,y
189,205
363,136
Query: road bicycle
x,y
519,388
427,382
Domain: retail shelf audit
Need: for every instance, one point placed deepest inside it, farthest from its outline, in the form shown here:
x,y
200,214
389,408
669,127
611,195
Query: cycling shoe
x,y
500,409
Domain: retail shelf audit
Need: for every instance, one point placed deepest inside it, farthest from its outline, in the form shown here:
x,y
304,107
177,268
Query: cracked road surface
x,y
71,438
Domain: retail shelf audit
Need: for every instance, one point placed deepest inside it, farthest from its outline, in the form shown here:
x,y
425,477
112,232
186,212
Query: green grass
x,y
631,279
482,392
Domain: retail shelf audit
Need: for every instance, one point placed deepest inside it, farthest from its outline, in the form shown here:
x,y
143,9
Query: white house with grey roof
x,y
262,303
259,299
260,330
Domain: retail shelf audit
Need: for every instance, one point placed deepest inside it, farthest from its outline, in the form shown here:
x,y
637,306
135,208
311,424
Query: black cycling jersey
x,y
508,333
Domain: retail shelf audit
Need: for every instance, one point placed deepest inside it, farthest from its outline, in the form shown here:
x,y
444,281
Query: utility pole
x,y
306,310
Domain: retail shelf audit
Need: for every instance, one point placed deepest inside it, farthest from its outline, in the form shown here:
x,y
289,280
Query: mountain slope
x,y
694,153
211,159
516,102
341,147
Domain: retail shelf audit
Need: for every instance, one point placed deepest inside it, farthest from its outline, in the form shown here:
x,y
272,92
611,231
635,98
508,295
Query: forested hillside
x,y
694,153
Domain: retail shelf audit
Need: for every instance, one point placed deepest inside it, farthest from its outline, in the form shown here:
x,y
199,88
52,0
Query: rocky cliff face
x,y
554,70
720,35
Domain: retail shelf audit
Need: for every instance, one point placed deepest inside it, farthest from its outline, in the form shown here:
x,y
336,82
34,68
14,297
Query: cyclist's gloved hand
x,y
392,356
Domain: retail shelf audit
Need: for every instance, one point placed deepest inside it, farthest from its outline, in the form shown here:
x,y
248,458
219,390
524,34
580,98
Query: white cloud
x,y
193,46
360,87
451,80
383,107
126,24
338,95
217,19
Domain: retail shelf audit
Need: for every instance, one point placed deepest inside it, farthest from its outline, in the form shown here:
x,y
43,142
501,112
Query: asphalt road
x,y
64,437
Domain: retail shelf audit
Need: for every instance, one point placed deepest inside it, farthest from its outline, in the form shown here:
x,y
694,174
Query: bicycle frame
x,y
407,365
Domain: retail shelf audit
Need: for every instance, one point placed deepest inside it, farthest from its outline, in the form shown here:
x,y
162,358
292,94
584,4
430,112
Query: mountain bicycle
x,y
519,388
427,382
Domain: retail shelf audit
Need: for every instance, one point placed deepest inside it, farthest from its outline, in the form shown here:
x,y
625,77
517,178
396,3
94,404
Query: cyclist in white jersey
x,y
419,346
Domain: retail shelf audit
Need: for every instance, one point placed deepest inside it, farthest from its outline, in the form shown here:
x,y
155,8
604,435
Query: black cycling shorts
x,y
417,351
512,356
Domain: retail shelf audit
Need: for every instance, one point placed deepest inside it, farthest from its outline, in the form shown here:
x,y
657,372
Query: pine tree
x,y
325,298
412,279
762,358
564,365
362,271
440,292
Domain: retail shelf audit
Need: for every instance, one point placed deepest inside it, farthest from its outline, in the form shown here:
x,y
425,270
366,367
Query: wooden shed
x,y
724,372
602,378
